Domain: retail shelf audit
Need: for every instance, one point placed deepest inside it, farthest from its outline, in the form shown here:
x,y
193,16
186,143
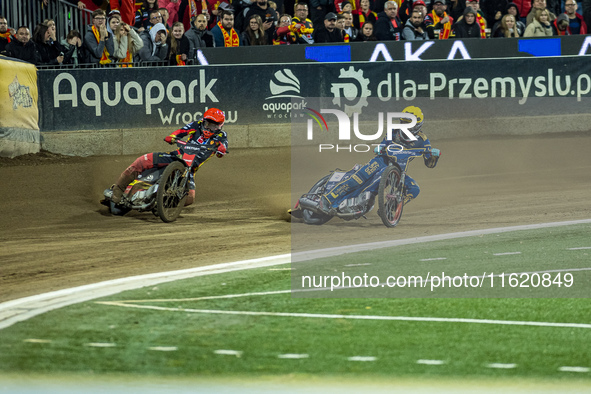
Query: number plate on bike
x,y
337,176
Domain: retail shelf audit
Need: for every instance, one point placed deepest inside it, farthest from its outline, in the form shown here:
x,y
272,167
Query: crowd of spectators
x,y
122,32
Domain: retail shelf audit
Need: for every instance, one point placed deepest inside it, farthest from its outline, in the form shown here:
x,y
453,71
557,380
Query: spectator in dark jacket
x,y
576,23
254,34
268,17
389,27
467,26
349,29
178,45
5,35
366,33
199,36
51,52
23,48
412,30
328,32
155,47
75,50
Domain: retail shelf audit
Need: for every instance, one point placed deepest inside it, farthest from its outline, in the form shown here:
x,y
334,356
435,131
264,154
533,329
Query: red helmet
x,y
215,115
213,120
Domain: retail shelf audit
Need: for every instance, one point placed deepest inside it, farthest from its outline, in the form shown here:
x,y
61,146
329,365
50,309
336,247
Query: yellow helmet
x,y
418,113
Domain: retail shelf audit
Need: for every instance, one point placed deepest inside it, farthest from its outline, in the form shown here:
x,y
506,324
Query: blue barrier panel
x,y
541,47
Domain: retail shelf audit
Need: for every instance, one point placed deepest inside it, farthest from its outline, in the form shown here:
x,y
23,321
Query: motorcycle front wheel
x,y
391,196
310,217
171,195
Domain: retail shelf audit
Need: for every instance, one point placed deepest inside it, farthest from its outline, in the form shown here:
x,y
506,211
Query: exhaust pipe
x,y
311,205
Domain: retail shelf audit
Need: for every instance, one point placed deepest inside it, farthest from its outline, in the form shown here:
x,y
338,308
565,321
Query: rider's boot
x,y
119,187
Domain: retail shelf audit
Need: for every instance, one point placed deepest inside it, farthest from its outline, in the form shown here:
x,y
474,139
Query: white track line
x,y
100,344
501,366
351,317
293,356
225,352
431,362
574,369
362,358
12,312
22,309
164,348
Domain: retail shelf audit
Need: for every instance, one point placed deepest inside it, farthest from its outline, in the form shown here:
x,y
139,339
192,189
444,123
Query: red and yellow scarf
x,y
105,56
128,60
5,35
362,17
230,40
482,23
445,32
192,8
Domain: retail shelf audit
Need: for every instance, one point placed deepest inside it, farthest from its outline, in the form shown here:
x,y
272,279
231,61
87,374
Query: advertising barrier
x,y
169,97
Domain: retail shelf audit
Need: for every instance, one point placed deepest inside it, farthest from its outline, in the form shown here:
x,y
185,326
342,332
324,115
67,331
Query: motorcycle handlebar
x,y
182,143
381,150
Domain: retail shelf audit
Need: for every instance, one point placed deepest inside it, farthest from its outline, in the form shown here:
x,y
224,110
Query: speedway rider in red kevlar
x,y
207,131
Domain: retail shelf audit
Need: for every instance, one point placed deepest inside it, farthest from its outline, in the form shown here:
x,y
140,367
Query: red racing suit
x,y
194,131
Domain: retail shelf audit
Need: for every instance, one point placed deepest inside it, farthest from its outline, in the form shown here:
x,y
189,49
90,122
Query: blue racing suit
x,y
364,178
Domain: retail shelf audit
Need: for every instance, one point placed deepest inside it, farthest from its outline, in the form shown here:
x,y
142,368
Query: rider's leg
x,y
336,195
412,189
142,163
190,197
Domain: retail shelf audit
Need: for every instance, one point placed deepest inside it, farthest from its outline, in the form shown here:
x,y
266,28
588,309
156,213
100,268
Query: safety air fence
x,y
533,85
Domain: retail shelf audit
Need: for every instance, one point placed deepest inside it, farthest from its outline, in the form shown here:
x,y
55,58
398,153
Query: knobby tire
x,y
391,196
168,203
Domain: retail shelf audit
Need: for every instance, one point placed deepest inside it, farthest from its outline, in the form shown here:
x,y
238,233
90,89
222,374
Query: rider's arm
x,y
381,148
182,132
222,143
431,156
431,161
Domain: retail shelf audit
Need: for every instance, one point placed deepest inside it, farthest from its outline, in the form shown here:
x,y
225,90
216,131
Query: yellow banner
x,y
18,92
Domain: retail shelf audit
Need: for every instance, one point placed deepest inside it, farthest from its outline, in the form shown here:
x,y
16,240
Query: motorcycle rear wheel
x,y
391,196
310,217
170,198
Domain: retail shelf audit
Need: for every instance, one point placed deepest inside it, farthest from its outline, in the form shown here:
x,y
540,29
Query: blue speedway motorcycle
x,y
386,186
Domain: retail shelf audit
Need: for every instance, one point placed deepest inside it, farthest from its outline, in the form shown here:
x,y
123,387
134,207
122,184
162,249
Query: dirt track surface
x,y
55,234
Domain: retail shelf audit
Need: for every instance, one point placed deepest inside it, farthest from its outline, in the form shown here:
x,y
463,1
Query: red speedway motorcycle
x,y
163,190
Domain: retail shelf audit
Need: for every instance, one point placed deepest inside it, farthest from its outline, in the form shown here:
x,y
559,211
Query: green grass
x,y
465,349
540,250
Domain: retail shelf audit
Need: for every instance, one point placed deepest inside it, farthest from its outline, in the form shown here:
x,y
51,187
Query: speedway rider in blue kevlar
x,y
207,131
343,190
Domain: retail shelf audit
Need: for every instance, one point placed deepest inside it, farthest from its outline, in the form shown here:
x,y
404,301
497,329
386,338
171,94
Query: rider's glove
x,y
221,150
170,139
435,152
